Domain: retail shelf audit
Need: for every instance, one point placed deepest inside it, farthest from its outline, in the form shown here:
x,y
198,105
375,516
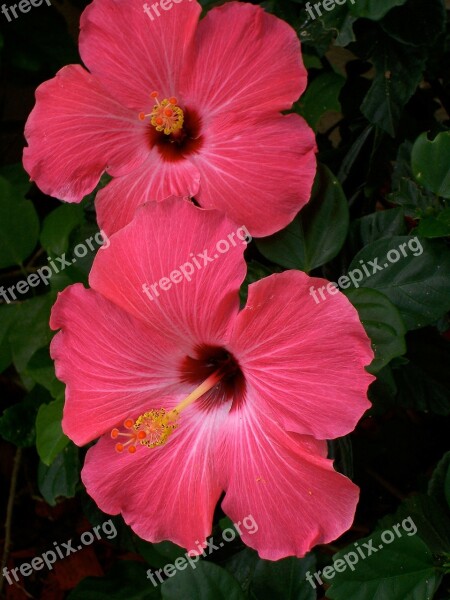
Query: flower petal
x,y
305,360
199,300
113,365
134,55
244,61
263,189
164,493
156,179
279,486
75,132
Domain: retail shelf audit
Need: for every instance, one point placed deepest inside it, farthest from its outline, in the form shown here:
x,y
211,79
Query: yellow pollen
x,y
166,115
154,427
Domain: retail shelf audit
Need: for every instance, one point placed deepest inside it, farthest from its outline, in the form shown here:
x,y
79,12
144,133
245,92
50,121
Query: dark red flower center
x,y
216,377
208,360
175,131
180,144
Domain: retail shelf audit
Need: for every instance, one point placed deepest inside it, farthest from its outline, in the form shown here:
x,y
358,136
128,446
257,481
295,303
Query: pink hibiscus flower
x,y
209,94
192,397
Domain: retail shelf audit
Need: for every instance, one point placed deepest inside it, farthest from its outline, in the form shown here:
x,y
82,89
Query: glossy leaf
x,y
321,96
417,284
206,582
50,439
61,477
31,330
283,579
383,325
126,580
373,9
435,226
19,226
439,486
58,226
403,569
317,234
17,423
430,163
399,70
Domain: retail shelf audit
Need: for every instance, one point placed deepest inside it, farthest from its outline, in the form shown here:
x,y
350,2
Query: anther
x,y
166,116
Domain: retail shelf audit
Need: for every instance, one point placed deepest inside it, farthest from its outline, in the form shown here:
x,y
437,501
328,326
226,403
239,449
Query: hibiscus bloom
x,y
192,397
209,95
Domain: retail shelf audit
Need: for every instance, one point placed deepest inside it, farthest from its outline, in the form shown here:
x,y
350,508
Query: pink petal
x,y
156,179
165,237
164,493
244,61
260,172
282,485
113,365
304,360
133,55
75,132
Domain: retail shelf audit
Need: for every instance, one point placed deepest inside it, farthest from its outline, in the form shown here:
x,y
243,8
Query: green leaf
x,y
380,224
333,26
321,96
373,9
414,200
417,284
17,423
354,153
158,554
399,71
58,226
206,582
50,439
439,486
19,226
411,24
402,570
41,369
61,477
7,316
317,233
30,331
383,325
126,580
283,579
435,226
17,177
80,266
242,566
430,519
430,160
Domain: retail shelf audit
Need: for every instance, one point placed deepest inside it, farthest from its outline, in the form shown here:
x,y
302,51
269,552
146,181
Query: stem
x,y
9,512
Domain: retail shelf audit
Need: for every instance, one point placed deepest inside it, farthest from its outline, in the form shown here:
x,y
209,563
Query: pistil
x,y
154,427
